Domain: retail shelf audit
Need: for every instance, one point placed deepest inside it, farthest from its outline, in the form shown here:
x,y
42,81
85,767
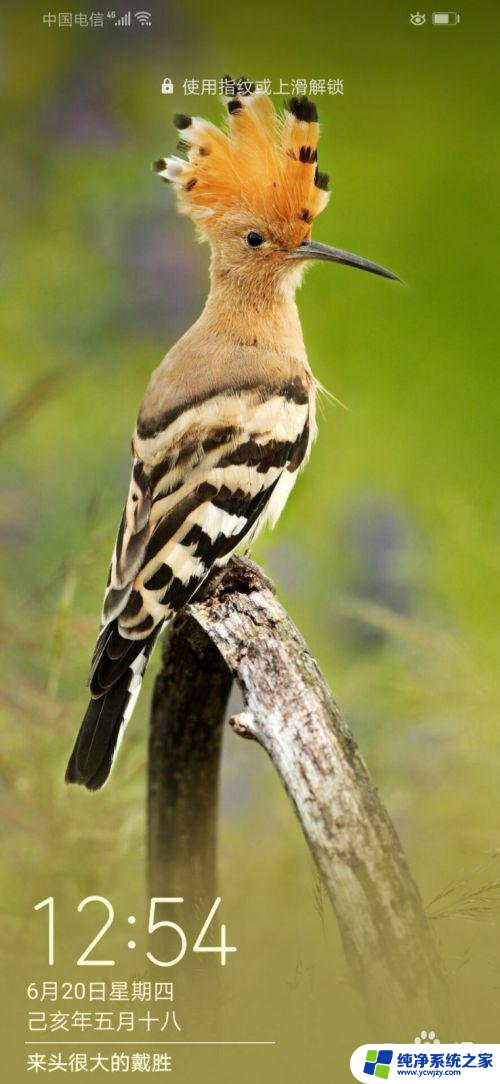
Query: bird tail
x,y
104,724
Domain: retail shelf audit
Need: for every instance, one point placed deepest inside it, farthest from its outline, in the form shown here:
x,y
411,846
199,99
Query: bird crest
x,y
264,163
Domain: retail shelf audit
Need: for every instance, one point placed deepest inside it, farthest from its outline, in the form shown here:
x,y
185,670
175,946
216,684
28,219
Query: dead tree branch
x,y
238,629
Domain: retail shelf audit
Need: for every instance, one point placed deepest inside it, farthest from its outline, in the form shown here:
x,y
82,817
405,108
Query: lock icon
x,y
167,86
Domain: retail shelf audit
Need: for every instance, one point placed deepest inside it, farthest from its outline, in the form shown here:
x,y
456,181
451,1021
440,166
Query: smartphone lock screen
x,y
249,517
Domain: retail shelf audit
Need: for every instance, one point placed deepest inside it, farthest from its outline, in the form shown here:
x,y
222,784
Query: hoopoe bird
x,y
228,418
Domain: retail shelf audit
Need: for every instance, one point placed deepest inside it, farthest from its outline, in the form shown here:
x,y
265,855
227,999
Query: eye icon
x,y
417,19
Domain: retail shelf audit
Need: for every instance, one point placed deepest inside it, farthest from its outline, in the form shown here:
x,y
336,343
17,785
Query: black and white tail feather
x,y
203,481
104,724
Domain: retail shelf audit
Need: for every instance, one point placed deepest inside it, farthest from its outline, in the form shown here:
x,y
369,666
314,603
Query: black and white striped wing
x,y
200,486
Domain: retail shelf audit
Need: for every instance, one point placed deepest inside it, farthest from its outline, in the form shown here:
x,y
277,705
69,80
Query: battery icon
x,y
445,18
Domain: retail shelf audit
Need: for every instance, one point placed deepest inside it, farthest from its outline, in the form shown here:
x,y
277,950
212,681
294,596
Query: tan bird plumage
x,y
229,416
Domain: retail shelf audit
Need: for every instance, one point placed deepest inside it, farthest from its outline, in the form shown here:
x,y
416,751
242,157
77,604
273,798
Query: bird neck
x,y
252,317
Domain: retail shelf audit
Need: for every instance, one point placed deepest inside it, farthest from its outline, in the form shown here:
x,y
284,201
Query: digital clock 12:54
x,y
154,923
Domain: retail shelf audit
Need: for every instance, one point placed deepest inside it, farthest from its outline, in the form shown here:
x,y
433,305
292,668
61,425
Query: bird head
x,y
254,191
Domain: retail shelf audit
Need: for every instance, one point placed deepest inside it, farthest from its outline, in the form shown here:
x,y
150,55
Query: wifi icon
x,y
143,17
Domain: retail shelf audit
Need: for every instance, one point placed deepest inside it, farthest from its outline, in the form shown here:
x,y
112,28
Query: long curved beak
x,y
315,250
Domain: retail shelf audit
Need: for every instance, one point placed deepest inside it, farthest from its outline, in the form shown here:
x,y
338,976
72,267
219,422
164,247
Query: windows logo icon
x,y
378,1063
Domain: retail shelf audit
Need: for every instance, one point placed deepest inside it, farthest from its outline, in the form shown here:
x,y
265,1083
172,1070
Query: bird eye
x,y
254,239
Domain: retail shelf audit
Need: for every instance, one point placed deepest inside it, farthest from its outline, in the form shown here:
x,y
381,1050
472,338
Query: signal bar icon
x,y
124,21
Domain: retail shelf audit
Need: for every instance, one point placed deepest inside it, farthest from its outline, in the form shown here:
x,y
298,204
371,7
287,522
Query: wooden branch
x,y
238,626
189,704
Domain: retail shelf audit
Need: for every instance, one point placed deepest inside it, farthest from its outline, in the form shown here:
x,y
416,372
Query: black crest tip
x,y
307,154
159,165
322,180
181,120
302,109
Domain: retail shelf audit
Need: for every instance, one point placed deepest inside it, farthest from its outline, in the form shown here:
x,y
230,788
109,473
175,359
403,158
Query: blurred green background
x,y
387,553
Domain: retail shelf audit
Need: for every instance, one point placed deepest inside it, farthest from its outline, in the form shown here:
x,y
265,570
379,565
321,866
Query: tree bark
x,y
189,704
237,627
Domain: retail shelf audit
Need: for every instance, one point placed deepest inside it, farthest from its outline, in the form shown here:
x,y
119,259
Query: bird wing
x,y
204,478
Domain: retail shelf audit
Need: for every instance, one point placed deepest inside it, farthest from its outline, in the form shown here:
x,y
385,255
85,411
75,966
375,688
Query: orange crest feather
x,y
266,164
